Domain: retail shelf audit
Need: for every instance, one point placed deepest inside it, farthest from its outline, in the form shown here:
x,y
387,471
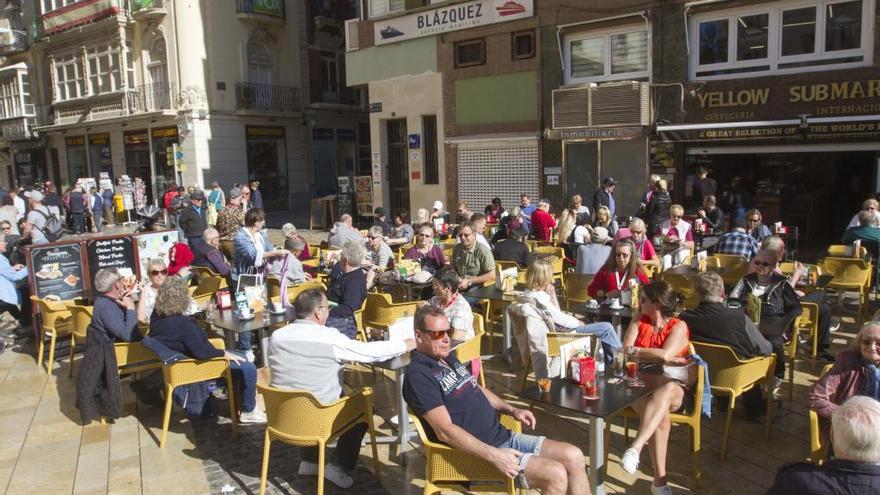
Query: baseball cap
x,y
379,211
235,192
438,205
197,194
609,181
34,195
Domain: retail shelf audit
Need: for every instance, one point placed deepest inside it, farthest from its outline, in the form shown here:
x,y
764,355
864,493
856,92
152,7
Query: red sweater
x,y
607,281
542,222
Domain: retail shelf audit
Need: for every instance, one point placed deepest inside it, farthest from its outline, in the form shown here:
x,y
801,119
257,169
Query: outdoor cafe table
x,y
409,290
605,311
613,398
225,320
493,294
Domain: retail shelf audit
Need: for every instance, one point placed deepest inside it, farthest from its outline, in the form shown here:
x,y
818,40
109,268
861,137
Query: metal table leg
x,y
615,320
597,455
263,335
508,331
402,417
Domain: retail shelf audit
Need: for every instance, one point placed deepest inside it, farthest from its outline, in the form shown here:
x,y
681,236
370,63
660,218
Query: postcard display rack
x,y
127,190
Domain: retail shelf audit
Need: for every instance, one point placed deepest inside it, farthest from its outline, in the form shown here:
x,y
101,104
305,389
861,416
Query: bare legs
x,y
558,470
655,425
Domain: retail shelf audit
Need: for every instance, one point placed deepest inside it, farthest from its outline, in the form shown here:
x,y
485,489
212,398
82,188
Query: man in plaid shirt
x,y
737,242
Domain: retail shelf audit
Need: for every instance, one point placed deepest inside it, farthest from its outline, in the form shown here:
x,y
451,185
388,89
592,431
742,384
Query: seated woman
x,y
378,253
156,273
676,232
779,303
539,286
290,268
349,281
494,212
453,304
620,272
639,236
662,339
288,230
180,257
425,251
854,373
402,232
755,225
603,219
180,333
712,215
565,224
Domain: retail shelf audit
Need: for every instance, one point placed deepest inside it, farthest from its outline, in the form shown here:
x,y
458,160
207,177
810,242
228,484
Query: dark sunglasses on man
x,y
436,334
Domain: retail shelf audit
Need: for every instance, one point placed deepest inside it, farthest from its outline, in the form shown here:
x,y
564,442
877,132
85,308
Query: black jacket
x,y
98,392
601,198
715,323
657,211
181,334
510,250
193,222
779,304
835,477
715,219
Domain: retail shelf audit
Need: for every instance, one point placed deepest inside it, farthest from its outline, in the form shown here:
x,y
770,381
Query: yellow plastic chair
x,y
732,376
839,251
380,312
203,271
501,265
791,356
850,274
82,317
57,322
651,269
690,419
470,349
555,340
273,288
449,469
208,286
187,371
132,357
818,452
809,321
295,290
576,285
359,322
295,417
558,254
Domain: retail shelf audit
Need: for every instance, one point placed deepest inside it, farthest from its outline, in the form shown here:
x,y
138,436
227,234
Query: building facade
x,y
184,92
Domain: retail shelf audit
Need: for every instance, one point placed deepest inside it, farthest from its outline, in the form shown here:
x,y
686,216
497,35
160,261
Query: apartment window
x,y
158,66
68,78
429,150
523,45
259,63
10,101
786,37
470,53
614,54
330,79
104,73
381,8
50,5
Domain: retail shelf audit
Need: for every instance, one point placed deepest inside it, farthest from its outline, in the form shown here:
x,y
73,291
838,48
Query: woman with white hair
x,y
856,371
288,230
349,282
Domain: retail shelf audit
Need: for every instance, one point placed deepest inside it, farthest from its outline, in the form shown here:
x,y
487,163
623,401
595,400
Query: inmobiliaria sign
x,y
451,18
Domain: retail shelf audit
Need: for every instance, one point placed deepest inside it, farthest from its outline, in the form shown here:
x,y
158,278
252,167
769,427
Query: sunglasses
x,y
6,229
158,272
437,334
762,263
870,342
755,220
371,237
426,235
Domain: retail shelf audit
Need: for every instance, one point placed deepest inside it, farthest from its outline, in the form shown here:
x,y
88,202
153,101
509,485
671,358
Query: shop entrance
x,y
398,168
819,191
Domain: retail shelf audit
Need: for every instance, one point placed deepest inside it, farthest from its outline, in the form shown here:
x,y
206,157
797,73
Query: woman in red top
x,y
619,269
659,338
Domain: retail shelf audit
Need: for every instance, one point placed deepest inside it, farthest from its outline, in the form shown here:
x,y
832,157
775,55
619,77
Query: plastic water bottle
x,y
600,359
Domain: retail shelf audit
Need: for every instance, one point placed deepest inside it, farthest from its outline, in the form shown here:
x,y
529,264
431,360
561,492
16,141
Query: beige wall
x,y
409,97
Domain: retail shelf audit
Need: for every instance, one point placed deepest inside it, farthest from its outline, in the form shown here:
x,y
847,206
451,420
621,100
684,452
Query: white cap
x,y
35,195
438,205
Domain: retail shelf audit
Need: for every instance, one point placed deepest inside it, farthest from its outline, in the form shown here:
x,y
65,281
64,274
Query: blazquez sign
x,y
451,18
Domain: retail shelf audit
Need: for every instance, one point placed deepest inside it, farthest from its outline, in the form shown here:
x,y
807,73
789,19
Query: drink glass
x,y
544,384
589,390
619,363
632,367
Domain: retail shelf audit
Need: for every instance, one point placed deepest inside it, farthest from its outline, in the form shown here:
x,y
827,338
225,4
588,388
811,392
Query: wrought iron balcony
x,y
148,10
267,97
152,97
261,10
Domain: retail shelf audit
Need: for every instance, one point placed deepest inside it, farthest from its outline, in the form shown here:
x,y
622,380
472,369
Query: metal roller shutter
x,y
490,170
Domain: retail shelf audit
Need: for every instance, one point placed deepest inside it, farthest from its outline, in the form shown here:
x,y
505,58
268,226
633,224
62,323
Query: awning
x,y
819,128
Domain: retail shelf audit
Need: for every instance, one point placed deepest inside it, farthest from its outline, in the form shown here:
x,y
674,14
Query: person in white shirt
x,y
539,287
871,205
38,217
18,203
307,355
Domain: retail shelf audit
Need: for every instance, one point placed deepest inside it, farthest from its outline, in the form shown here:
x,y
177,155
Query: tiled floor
x,y
44,449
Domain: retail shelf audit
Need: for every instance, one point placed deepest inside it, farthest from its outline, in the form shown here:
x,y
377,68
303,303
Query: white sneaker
x,y
660,490
249,355
254,417
307,468
334,474
777,385
630,461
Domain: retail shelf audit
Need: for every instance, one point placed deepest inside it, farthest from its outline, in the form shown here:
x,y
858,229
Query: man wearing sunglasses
x,y
472,261
308,355
457,411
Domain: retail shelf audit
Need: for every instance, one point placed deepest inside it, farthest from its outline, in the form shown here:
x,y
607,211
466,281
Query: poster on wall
x,y
363,192
154,245
58,271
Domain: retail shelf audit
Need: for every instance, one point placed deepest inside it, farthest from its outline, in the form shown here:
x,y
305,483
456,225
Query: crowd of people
x,y
225,232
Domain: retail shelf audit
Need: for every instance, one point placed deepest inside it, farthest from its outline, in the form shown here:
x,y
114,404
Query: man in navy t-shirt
x,y
457,411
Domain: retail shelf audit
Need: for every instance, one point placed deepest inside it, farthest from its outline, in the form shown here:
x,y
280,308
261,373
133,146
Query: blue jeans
x,y
606,333
244,341
244,376
528,445
345,325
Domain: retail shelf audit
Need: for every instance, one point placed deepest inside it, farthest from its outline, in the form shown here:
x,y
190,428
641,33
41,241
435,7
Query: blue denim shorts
x,y
529,445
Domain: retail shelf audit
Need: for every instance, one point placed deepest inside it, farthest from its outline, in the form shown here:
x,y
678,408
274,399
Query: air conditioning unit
x,y
616,104
351,35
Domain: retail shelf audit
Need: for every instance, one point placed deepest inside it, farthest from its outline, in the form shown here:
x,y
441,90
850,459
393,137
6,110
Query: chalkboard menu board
x,y
113,252
58,270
